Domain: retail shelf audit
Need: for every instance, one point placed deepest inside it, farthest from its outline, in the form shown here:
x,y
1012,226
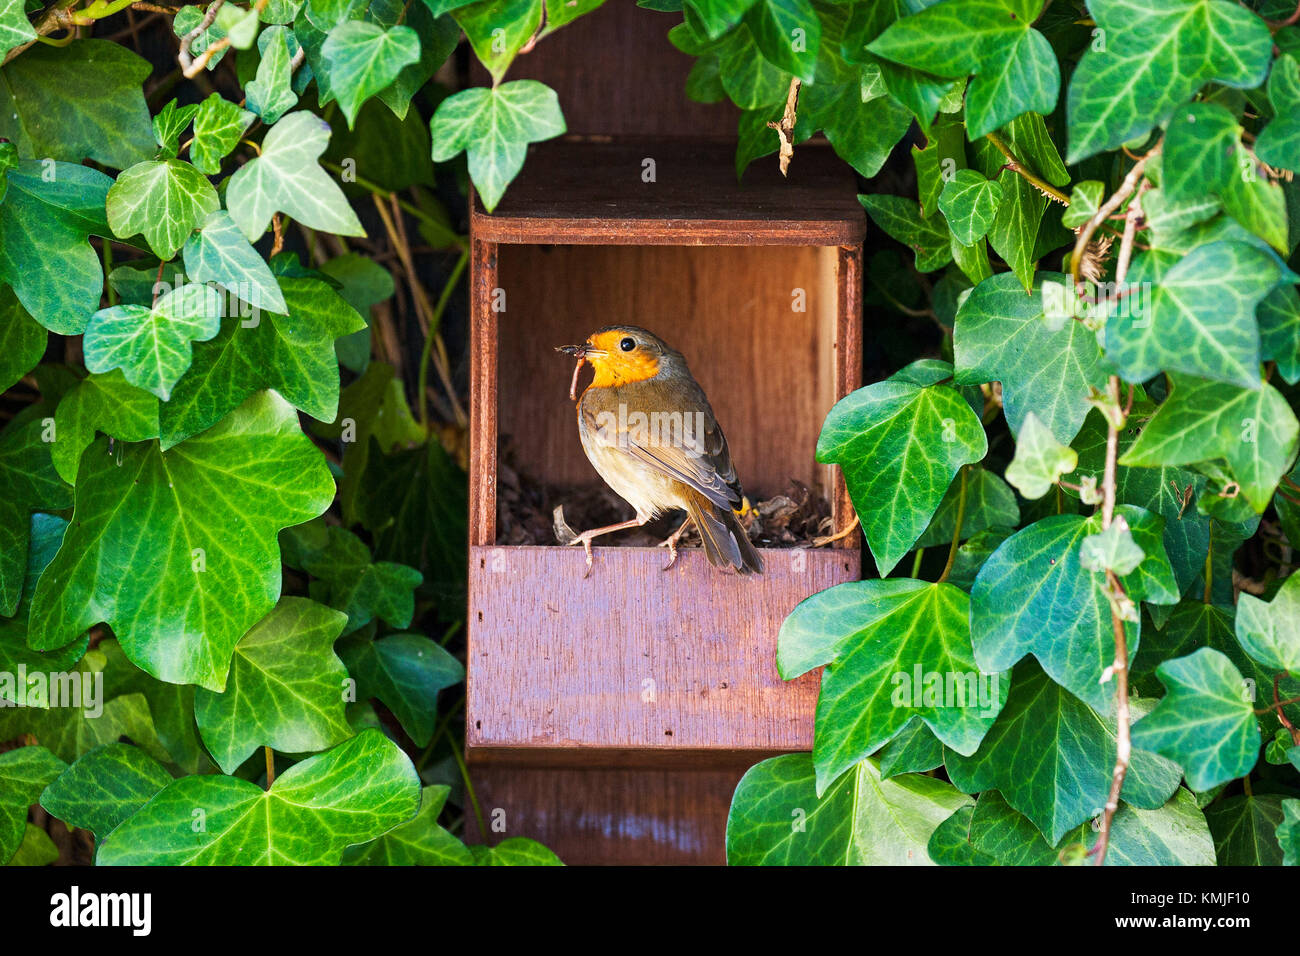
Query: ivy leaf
x,y
163,200
915,750
716,17
364,58
970,202
406,672
152,345
497,30
317,808
176,551
1205,721
1034,596
514,851
862,124
28,482
1255,431
1112,549
218,126
903,220
100,403
287,178
1044,358
1156,56
418,843
1279,142
995,834
860,820
494,127
1279,331
37,849
218,252
22,339
1245,830
361,589
26,772
788,34
1014,66
285,689
1040,460
270,94
1269,631
1051,757
168,125
45,254
1201,151
292,353
1199,316
891,638
900,445
188,19
1288,833
76,102
170,706
439,38
46,533
15,30
1085,199
104,787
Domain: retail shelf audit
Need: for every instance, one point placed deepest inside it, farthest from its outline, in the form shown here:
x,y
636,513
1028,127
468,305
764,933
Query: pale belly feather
x,y
645,489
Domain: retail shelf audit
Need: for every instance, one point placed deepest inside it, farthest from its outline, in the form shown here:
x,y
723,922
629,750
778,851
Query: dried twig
x,y
785,128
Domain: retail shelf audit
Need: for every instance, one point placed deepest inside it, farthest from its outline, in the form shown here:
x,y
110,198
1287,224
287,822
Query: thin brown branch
x,y
1103,213
1019,168
785,128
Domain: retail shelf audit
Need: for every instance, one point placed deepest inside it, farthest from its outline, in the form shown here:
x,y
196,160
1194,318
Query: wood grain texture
x,y
483,394
611,817
616,73
595,193
635,658
769,372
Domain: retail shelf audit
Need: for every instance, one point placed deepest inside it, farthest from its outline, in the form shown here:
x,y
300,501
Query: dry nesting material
x,y
525,507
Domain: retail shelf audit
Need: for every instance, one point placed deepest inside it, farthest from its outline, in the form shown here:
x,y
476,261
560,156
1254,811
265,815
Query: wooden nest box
x,y
611,716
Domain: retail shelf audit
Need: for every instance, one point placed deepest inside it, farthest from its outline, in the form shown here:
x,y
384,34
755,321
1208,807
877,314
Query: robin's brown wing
x,y
695,454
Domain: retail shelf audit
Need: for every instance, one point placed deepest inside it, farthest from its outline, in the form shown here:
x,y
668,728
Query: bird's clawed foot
x,y
671,544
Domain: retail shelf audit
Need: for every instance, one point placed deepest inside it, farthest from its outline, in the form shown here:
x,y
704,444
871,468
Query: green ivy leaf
x,y
903,220
270,94
361,589
28,482
915,750
497,30
198,522
26,772
716,17
292,353
1288,833
314,810
891,640
788,34
418,843
168,125
439,37
15,30
104,787
1155,57
1201,153
1205,721
364,58
406,672
164,201
218,127
45,255
1254,431
285,690
170,706
100,403
287,178
1269,631
900,445
970,202
76,102
152,345
1278,315
1040,460
989,502
494,127
1035,596
22,339
1085,199
218,252
46,532
1245,830
1199,316
37,849
514,851
1051,757
1045,359
1014,67
861,123
861,820
1279,142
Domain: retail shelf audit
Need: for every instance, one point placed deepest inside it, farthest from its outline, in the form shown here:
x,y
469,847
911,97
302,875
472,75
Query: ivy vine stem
x,y
1017,167
469,784
1089,228
1115,420
956,528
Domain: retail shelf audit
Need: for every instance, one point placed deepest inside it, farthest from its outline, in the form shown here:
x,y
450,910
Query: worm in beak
x,y
580,351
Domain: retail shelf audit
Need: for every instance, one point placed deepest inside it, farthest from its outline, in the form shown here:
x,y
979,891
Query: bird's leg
x,y
585,538
671,543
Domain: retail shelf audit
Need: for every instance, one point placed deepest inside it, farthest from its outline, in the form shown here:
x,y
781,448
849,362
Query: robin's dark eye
x,y
627,344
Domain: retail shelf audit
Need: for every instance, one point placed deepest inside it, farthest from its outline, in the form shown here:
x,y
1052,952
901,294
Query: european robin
x,y
649,431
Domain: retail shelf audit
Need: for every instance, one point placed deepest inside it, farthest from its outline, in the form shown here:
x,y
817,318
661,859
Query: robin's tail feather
x,y
725,541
